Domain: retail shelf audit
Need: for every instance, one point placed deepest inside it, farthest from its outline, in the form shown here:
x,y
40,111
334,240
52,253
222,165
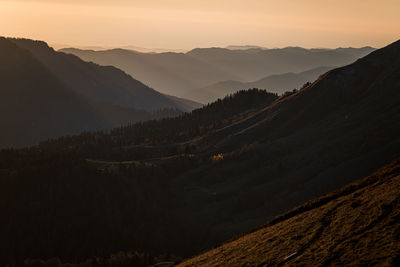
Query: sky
x,y
186,24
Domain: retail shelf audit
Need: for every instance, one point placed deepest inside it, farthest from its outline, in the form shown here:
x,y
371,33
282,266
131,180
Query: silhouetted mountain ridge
x,y
46,94
98,83
179,73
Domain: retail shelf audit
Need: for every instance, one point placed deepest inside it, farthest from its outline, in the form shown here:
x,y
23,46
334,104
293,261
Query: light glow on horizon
x,y
203,23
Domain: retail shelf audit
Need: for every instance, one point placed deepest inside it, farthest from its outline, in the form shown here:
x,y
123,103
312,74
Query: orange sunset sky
x,y
185,24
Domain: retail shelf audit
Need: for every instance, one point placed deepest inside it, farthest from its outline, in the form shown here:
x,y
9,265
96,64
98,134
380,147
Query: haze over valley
x,y
184,74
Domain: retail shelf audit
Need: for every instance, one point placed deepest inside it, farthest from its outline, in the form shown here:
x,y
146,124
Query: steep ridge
x,y
179,73
343,95
355,225
37,105
99,83
278,83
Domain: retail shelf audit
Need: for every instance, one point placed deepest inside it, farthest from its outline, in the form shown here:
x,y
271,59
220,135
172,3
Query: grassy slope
x,y
357,224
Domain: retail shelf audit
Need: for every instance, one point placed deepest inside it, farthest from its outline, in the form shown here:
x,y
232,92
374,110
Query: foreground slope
x,y
179,73
356,225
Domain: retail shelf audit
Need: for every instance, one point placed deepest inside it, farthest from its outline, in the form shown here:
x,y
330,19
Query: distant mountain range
x,y
185,184
244,47
127,47
47,94
278,83
178,73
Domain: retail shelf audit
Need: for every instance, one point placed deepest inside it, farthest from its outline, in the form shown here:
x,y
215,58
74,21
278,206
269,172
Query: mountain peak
x,y
33,44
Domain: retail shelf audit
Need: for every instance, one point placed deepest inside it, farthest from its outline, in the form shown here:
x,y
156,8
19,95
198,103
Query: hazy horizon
x,y
169,49
183,25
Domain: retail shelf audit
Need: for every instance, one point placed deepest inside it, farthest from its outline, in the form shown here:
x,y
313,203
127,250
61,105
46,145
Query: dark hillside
x,y
46,94
69,189
28,92
343,126
98,83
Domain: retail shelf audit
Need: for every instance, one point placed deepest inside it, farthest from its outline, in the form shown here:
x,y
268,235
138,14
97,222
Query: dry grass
x,y
359,224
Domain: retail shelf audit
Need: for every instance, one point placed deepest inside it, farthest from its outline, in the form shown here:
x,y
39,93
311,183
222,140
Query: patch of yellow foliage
x,y
217,158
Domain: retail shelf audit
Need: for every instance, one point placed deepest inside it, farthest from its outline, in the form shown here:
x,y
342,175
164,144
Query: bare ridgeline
x,y
162,191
